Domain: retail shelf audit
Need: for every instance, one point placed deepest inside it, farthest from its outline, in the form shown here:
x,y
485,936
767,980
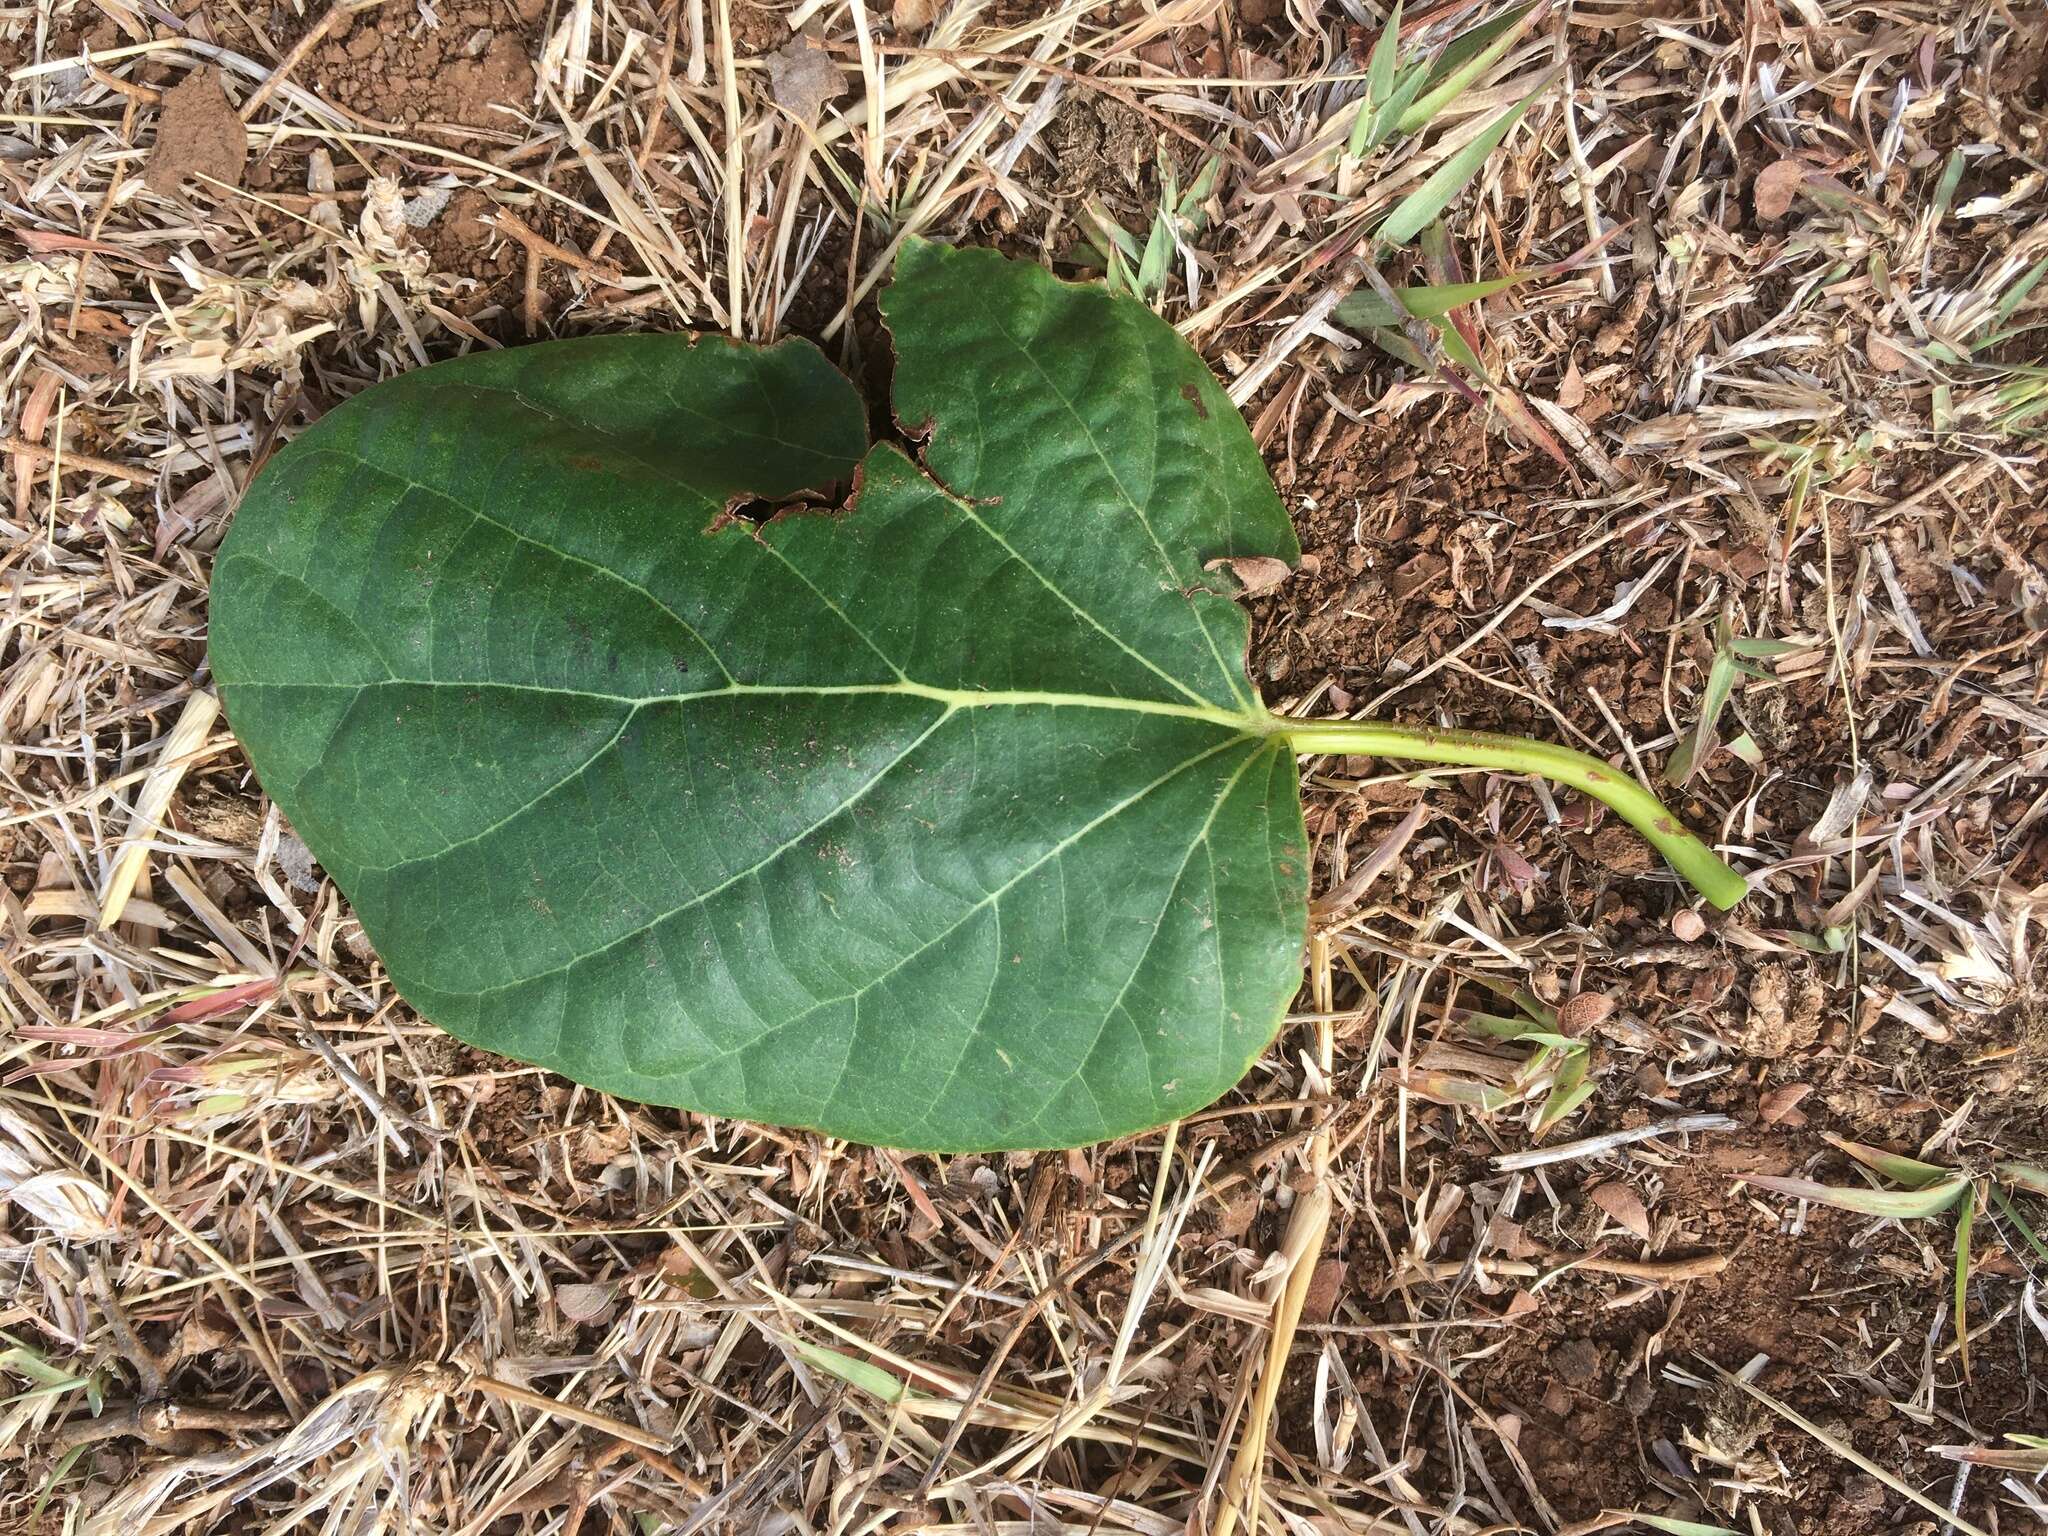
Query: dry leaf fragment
x,y
802,78
44,1193
582,1303
1583,1011
1687,925
1571,389
1325,1290
1776,185
1255,573
1623,1206
915,15
1782,1104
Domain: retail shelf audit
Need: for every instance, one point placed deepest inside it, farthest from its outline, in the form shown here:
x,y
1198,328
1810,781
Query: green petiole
x,y
1700,866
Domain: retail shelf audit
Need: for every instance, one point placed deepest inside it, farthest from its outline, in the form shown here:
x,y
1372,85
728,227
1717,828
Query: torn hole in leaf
x,y
757,512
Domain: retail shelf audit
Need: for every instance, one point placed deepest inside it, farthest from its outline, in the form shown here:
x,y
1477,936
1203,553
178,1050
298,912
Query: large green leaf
x,y
947,821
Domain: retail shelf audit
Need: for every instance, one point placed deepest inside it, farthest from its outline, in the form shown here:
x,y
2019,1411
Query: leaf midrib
x,y
1245,723
953,701
667,472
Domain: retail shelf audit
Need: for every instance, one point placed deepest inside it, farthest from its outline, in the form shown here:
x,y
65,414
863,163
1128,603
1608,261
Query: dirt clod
x,y
1577,1362
1784,1011
198,137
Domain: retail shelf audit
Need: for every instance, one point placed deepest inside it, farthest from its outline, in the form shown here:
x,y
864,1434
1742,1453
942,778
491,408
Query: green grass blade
x,y
1549,1038
1379,71
1397,346
1965,1214
1456,1092
1909,1171
1379,83
1720,689
1498,1026
1158,251
1460,352
1903,1204
871,1379
2012,1214
1761,649
1698,743
2024,1176
2016,295
1427,201
1386,119
1363,309
57,1475
1567,1094
1945,189
1120,240
1463,61
1432,303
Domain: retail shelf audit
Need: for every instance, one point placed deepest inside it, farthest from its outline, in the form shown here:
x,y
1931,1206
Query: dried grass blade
x,y
185,740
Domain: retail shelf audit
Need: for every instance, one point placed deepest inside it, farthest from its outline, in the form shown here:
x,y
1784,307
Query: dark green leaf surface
x,y
948,821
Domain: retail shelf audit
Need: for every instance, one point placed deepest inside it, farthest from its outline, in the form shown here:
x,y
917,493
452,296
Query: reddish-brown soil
x,y
1417,532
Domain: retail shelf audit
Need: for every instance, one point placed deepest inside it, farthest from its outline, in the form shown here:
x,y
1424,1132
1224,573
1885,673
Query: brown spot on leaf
x,y
1193,396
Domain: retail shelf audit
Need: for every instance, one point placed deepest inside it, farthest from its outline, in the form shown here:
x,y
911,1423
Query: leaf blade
x,y
774,823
